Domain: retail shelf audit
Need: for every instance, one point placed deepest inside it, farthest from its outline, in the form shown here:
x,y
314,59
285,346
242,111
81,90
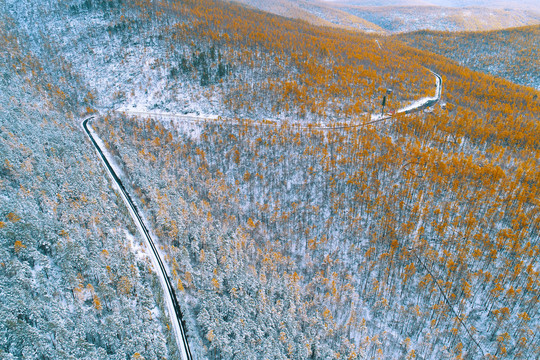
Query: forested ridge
x,y
512,54
416,237
403,19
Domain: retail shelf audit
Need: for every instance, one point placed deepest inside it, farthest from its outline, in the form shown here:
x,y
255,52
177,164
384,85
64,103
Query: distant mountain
x,y
315,12
503,4
405,16
412,18
512,54
379,2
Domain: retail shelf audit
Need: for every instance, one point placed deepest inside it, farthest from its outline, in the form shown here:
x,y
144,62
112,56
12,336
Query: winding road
x,y
171,301
416,106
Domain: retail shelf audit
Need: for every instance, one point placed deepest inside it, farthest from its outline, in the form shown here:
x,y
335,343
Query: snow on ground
x,y
421,102
187,123
161,276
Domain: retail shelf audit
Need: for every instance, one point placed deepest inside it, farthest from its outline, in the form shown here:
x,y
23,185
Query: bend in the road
x,y
171,301
417,106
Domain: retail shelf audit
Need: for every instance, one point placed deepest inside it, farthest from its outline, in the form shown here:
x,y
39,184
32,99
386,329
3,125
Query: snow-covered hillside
x,y
513,54
73,281
412,18
413,237
405,16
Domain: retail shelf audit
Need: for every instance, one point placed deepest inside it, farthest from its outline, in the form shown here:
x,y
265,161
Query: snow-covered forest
x,y
359,235
73,282
513,54
415,237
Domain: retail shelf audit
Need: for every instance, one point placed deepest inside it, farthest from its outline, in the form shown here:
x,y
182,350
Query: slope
x,y
417,237
513,54
202,58
412,18
382,17
73,281
496,4
170,298
413,238
315,12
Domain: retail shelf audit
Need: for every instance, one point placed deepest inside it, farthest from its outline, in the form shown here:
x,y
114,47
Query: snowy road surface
x,y
427,101
170,297
171,301
416,106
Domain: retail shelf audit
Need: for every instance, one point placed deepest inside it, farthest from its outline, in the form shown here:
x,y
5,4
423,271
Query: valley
x,y
246,185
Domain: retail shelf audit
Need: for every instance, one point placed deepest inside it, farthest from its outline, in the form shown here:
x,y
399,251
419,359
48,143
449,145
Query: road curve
x,y
419,105
171,301
172,304
429,101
